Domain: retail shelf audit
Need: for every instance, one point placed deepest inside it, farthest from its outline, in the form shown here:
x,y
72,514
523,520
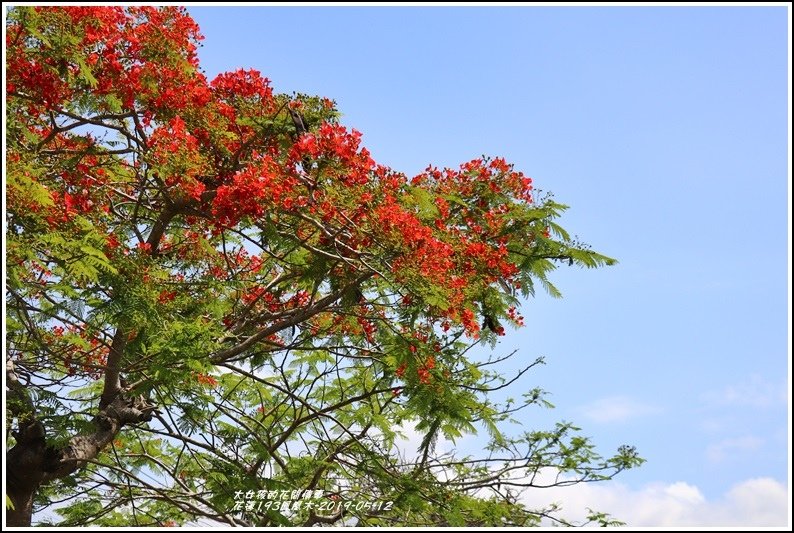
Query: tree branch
x,y
297,318
112,385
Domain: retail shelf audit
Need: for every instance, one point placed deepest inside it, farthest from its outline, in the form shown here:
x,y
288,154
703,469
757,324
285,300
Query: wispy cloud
x,y
750,503
617,409
724,449
755,391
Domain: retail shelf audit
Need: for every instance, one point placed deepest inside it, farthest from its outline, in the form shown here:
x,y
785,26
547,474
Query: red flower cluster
x,y
253,191
400,370
513,315
243,84
368,328
469,322
424,371
123,55
225,155
206,379
166,296
352,164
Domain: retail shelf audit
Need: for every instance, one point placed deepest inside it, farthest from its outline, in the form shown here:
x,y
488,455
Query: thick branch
x,y
83,448
18,398
31,462
168,214
113,368
297,318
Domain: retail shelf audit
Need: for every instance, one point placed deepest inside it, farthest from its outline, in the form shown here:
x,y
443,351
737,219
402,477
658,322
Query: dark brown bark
x,y
31,463
24,472
21,514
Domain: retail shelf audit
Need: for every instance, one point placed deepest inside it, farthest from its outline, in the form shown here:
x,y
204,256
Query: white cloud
x,y
753,392
718,424
617,409
724,449
753,502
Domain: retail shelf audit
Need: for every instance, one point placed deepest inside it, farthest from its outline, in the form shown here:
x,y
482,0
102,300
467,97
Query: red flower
x,y
467,318
112,242
166,296
206,379
400,370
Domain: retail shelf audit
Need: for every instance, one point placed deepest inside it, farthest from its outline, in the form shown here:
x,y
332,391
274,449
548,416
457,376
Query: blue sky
x,y
666,131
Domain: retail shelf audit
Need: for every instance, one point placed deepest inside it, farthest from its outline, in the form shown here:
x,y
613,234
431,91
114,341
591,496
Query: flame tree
x,y
215,294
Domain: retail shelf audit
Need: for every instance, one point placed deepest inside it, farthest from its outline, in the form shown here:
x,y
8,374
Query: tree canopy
x,y
214,293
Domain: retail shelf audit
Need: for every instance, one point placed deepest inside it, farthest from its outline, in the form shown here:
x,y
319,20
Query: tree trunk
x,y
30,463
22,512
25,471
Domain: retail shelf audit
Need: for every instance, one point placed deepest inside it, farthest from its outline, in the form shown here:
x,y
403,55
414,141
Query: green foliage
x,y
325,331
